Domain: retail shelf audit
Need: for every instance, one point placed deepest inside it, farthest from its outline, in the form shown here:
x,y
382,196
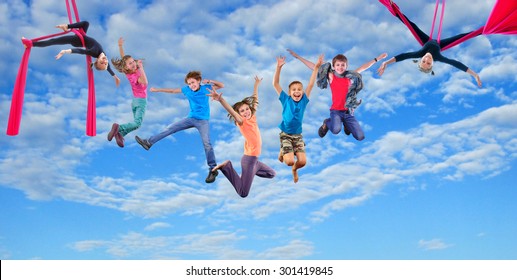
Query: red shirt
x,y
339,88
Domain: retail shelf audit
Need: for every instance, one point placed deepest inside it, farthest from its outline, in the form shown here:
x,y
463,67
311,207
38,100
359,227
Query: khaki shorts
x,y
291,143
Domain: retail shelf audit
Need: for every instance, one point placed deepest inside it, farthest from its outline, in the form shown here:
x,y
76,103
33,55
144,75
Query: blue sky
x,y
434,178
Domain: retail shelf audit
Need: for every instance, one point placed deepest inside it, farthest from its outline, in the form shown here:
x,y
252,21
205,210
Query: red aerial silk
x,y
502,20
15,115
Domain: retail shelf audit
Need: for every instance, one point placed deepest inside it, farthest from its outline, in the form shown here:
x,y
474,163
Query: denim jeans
x,y
203,128
337,117
138,106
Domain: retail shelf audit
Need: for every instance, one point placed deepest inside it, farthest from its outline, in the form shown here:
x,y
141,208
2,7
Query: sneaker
x,y
143,142
120,139
347,132
322,131
113,131
211,176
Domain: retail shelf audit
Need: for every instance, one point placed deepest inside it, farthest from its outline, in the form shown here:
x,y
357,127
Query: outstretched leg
x,y
450,42
421,37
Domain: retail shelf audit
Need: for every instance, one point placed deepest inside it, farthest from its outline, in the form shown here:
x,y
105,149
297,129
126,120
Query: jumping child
x,y
198,117
134,70
293,108
243,114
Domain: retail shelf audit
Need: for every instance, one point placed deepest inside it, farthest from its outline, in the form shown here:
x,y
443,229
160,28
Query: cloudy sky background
x,y
434,178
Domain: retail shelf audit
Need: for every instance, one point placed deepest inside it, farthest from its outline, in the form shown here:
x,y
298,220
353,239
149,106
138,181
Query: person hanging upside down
x,y
431,50
92,47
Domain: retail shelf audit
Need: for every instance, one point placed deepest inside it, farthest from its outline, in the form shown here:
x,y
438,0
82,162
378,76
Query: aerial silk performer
x,y
502,20
84,45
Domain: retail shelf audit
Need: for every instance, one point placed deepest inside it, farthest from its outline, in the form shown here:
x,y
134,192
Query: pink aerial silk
x,y
502,20
434,20
15,115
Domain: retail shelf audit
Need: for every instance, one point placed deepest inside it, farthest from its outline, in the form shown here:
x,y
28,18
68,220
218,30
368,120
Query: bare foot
x,y
295,175
63,26
221,165
281,156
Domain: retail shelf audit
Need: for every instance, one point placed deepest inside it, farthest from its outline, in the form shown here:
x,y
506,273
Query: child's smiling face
x,y
296,91
340,67
245,111
193,84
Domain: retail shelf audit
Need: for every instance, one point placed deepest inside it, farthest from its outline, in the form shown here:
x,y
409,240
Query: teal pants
x,y
138,106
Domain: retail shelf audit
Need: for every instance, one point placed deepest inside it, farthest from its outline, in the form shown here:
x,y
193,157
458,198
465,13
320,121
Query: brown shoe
x,y
120,139
322,131
113,131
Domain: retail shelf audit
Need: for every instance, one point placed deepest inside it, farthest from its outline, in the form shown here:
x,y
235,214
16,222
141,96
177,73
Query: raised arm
x,y
371,62
385,64
476,76
256,87
280,61
121,46
305,61
219,97
143,77
166,90
215,84
313,76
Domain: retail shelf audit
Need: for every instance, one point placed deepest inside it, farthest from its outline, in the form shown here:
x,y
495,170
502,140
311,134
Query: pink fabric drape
x,y
15,114
503,18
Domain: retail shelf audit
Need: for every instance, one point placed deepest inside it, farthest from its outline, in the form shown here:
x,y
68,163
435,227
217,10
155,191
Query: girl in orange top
x,y
243,114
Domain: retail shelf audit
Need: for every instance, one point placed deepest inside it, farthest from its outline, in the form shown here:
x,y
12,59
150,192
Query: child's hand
x,y
215,96
117,80
292,53
320,60
478,80
382,56
152,89
257,80
380,71
140,64
120,41
280,61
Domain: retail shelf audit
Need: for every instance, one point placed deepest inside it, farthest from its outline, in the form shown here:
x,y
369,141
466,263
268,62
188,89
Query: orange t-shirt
x,y
253,142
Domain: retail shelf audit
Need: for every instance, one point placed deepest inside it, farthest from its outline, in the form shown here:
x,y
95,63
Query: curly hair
x,y
251,101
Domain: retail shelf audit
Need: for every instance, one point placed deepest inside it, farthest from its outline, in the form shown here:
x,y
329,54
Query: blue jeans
x,y
348,120
138,106
202,127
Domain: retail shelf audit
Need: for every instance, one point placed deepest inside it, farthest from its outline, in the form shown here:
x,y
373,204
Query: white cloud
x,y
157,225
52,159
433,244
